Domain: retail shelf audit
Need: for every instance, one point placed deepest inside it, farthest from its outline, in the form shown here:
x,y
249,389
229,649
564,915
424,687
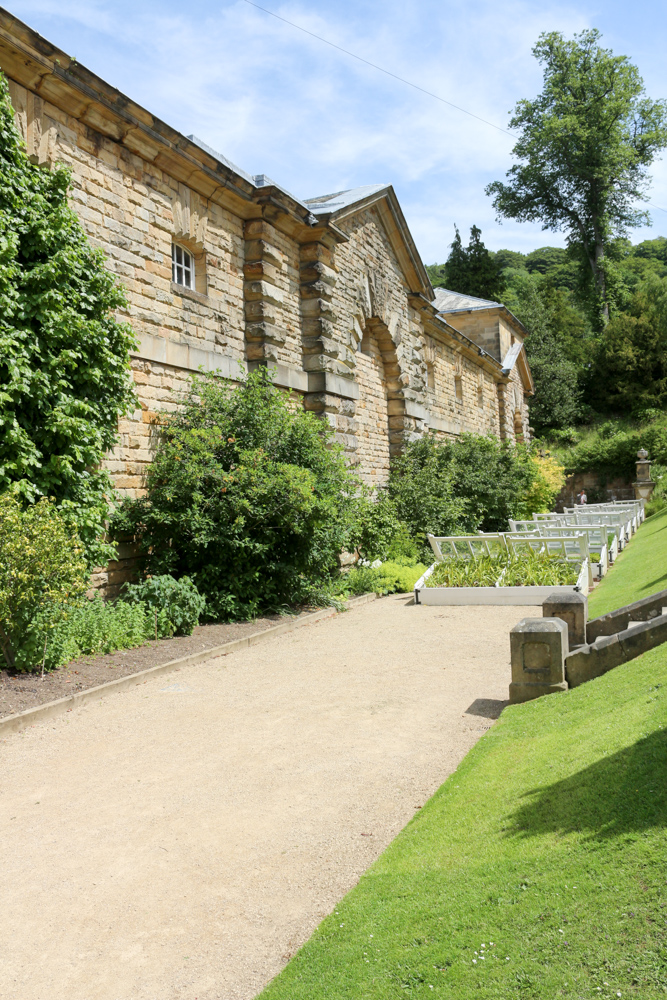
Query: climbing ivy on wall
x,y
64,358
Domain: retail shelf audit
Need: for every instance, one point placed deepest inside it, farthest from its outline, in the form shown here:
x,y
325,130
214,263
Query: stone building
x,y
226,271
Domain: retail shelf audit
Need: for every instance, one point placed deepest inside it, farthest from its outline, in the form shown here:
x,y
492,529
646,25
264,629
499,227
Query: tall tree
x,y
584,149
472,270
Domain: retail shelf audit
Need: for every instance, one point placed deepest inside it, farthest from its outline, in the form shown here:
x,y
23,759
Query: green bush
x,y
389,578
610,448
249,498
62,632
42,565
450,487
658,501
64,359
175,605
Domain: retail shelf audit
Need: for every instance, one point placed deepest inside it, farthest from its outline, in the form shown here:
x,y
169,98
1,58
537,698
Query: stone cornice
x,y
39,66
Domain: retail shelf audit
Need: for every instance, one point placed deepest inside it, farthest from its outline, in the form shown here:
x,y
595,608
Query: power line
x,y
381,69
394,76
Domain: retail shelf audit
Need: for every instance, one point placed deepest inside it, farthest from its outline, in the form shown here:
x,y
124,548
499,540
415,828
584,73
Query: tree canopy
x,y
64,358
584,148
470,270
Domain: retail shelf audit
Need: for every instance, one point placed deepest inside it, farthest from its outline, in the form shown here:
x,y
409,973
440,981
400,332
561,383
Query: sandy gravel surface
x,y
19,692
183,838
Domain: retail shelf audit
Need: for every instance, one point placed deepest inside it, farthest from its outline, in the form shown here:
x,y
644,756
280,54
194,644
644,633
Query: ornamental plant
x,y
61,632
64,358
41,565
248,497
175,606
454,487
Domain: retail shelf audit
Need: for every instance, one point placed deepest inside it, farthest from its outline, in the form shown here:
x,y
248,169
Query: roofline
x,y
496,305
398,232
462,342
30,60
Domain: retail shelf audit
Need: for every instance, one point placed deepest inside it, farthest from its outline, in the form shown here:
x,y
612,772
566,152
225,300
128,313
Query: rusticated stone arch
x,y
381,411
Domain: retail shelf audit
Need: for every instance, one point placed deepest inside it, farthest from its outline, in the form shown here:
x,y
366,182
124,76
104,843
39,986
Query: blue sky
x,y
278,102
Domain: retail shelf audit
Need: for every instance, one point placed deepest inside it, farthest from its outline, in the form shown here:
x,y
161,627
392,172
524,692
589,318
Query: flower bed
x,y
500,579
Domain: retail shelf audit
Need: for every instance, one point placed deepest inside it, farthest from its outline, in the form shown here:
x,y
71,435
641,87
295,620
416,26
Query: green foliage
x,y
449,487
62,632
549,321
630,371
471,270
610,448
376,525
64,359
529,569
175,605
585,146
482,571
41,564
249,498
538,569
392,577
545,850
658,500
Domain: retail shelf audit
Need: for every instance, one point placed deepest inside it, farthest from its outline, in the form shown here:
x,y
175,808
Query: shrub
x,y
64,359
548,481
449,487
41,565
249,498
610,449
61,632
658,501
175,606
389,578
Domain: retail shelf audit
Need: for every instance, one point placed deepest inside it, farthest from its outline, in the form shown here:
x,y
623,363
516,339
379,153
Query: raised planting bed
x,y
495,579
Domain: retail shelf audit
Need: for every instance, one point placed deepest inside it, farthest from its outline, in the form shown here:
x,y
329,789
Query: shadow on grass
x,y
617,795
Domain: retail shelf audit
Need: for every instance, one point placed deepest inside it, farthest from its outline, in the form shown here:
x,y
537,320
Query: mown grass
x,y
544,852
640,570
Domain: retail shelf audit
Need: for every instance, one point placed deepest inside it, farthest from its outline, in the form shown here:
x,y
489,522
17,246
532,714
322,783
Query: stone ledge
x,y
334,385
190,293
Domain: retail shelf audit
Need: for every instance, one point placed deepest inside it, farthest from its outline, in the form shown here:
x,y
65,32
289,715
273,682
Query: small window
x,y
458,388
182,266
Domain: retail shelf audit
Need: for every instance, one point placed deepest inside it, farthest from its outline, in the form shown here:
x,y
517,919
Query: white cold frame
x,y
182,266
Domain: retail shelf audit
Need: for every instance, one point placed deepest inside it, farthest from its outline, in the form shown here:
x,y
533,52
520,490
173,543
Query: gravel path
x,y
182,839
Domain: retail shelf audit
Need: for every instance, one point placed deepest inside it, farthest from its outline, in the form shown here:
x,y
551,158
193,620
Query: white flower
x,y
507,958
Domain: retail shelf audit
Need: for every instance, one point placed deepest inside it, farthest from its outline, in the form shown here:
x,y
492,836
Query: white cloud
x,y
275,100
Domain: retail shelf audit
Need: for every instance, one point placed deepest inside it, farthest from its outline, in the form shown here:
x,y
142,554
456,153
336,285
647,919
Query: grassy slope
x,y
640,570
549,841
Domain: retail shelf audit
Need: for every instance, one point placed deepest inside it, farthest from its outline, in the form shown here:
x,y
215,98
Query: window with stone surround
x,y
182,266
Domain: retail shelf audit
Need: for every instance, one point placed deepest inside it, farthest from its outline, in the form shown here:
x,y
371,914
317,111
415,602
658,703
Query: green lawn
x,y
538,870
640,569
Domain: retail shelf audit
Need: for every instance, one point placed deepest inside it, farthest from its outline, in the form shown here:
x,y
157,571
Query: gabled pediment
x,y
334,208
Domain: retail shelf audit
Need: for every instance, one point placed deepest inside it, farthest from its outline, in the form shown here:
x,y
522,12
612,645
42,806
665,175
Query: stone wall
x,y
341,310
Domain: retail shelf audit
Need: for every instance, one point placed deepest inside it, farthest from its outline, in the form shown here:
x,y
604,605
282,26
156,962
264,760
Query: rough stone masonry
x,y
329,292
